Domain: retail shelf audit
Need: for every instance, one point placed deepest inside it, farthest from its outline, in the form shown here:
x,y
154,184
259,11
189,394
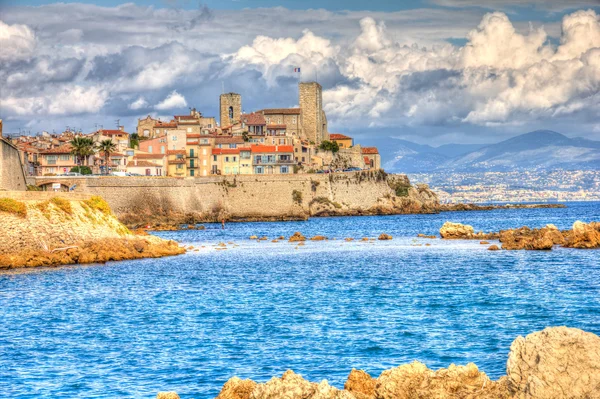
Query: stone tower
x,y
230,109
314,124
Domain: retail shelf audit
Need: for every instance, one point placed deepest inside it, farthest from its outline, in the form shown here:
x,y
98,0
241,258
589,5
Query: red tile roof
x,y
369,150
272,148
192,136
176,161
171,124
254,119
337,136
176,152
149,156
229,140
64,149
107,132
281,111
225,151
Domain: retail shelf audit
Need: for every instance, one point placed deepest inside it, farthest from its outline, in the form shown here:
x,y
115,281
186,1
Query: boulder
x,y
484,242
318,238
584,236
415,380
167,395
293,386
493,248
254,237
384,237
237,388
297,237
360,384
531,239
456,231
557,363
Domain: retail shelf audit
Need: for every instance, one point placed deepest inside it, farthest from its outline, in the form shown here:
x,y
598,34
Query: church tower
x,y
230,109
314,124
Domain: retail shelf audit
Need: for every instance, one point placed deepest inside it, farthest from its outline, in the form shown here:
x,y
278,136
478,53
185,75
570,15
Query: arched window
x,y
231,113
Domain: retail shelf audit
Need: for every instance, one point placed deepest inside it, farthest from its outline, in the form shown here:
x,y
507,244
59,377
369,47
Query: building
x,y
56,161
342,141
272,159
145,168
156,145
226,161
230,109
290,117
371,157
119,137
176,163
145,127
314,121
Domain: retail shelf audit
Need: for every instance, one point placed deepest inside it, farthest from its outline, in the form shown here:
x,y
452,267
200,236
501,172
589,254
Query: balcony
x,y
192,166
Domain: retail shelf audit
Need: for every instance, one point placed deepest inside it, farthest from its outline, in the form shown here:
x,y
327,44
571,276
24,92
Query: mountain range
x,y
541,149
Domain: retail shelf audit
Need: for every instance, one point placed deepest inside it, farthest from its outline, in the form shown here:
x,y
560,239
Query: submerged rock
x,y
493,248
456,231
297,237
557,362
384,237
318,238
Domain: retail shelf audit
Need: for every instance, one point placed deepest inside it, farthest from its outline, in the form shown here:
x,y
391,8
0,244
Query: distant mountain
x,y
539,149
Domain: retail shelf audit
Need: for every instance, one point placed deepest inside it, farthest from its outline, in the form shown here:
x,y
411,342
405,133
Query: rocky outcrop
x,y
476,207
167,395
459,231
583,236
556,363
531,239
297,237
60,231
384,237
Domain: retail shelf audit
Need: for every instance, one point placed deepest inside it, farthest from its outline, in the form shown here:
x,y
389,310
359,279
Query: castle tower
x,y
314,125
230,109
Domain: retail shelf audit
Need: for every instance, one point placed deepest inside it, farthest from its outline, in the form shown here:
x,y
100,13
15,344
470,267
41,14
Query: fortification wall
x,y
12,176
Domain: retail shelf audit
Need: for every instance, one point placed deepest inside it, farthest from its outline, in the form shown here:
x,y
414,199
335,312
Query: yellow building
x,y
226,161
343,141
176,163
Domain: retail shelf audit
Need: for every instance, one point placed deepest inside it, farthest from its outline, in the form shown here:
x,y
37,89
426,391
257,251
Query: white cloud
x,y
139,103
173,100
70,100
16,41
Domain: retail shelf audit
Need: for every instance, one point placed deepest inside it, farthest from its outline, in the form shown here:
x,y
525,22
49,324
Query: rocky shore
x,y
61,231
556,363
581,235
476,207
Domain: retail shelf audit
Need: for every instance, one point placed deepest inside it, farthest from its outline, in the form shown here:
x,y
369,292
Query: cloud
x,y
70,100
553,5
16,41
139,104
173,100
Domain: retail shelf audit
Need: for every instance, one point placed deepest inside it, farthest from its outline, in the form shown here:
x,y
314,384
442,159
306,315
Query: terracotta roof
x,y
254,119
367,160
149,156
176,161
277,127
369,150
229,140
192,136
272,148
143,164
106,132
166,124
192,142
175,152
281,111
225,151
65,149
337,136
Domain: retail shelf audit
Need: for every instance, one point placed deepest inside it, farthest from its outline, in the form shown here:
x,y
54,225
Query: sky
x,y
429,71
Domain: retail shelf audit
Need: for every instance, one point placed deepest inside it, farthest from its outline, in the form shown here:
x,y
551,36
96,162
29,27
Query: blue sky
x,y
431,70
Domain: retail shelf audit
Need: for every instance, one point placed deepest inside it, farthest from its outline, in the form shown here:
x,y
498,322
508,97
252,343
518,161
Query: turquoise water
x,y
189,323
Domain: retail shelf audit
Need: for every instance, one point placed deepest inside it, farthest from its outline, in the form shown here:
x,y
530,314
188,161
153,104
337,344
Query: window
x,y
146,133
259,170
162,149
130,153
150,149
157,131
51,159
65,157
204,151
191,152
258,159
245,155
204,162
191,163
227,170
174,138
204,141
180,166
234,159
215,158
281,141
279,121
231,113
232,145
192,172
235,170
284,169
268,121
294,120
189,129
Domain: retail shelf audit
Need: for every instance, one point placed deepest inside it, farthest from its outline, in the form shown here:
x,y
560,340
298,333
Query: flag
x,y
296,69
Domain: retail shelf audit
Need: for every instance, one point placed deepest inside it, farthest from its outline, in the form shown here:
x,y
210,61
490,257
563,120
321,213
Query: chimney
x,y
122,128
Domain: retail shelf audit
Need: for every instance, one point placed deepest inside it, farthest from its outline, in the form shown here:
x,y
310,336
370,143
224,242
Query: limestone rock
x,y
297,237
456,231
531,239
493,248
415,380
318,238
237,388
557,363
384,237
484,242
360,384
167,395
584,236
293,386
254,237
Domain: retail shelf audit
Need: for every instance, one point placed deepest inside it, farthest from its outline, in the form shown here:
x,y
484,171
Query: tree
x,y
84,170
82,148
329,146
134,140
106,147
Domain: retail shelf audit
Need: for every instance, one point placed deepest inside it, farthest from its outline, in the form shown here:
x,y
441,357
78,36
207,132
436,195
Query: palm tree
x,y
106,147
82,148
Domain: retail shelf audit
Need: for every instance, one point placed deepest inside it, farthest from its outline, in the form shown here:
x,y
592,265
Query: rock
x,y
293,386
493,248
426,236
530,239
254,237
584,236
297,237
557,363
221,244
237,388
484,242
191,227
360,384
263,238
201,227
415,380
318,238
275,241
456,231
281,238
384,237
348,239
167,395
365,239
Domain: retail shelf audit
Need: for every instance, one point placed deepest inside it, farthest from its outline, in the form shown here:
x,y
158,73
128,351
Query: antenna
x,y
118,123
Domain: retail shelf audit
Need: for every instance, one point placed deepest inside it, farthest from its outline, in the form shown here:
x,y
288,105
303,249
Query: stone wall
x,y
253,197
311,103
12,176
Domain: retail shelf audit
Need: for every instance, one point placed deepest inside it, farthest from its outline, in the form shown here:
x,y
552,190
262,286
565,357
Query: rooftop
x,y
369,150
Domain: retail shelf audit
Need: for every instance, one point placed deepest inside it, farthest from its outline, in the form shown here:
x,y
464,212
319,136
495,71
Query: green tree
x,y
329,146
82,148
106,147
134,140
84,170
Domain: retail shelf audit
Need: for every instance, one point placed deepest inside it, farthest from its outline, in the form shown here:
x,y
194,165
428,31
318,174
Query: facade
x,y
267,159
56,161
290,117
230,109
177,164
343,141
157,145
144,168
314,122
145,127
371,157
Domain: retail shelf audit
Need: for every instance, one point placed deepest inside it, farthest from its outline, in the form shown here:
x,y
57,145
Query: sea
x,y
258,308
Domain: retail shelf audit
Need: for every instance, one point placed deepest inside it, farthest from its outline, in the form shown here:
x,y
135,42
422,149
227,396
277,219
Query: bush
x,y
84,170
98,203
31,187
297,197
329,146
62,204
14,207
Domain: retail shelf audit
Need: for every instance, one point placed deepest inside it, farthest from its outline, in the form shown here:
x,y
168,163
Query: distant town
x,y
518,186
267,141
